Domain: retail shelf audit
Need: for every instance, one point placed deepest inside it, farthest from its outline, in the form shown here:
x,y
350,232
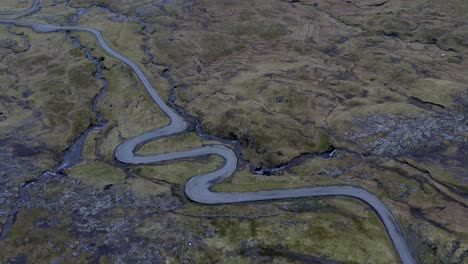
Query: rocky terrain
x,y
368,93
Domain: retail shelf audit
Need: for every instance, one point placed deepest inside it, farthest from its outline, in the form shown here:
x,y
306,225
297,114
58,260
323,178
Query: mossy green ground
x,y
8,5
99,175
46,97
283,80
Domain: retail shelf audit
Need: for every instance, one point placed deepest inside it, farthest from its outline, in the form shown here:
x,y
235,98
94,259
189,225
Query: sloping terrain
x,y
364,93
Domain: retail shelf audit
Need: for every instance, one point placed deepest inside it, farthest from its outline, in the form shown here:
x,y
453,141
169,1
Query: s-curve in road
x,y
198,188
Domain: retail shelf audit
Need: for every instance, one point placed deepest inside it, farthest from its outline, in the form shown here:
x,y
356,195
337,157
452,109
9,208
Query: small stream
x,y
74,153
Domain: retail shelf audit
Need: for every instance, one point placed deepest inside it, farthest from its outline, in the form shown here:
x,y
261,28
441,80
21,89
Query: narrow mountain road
x,y
199,188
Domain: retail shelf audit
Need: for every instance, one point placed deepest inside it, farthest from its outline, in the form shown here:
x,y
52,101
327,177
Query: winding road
x,y
199,188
